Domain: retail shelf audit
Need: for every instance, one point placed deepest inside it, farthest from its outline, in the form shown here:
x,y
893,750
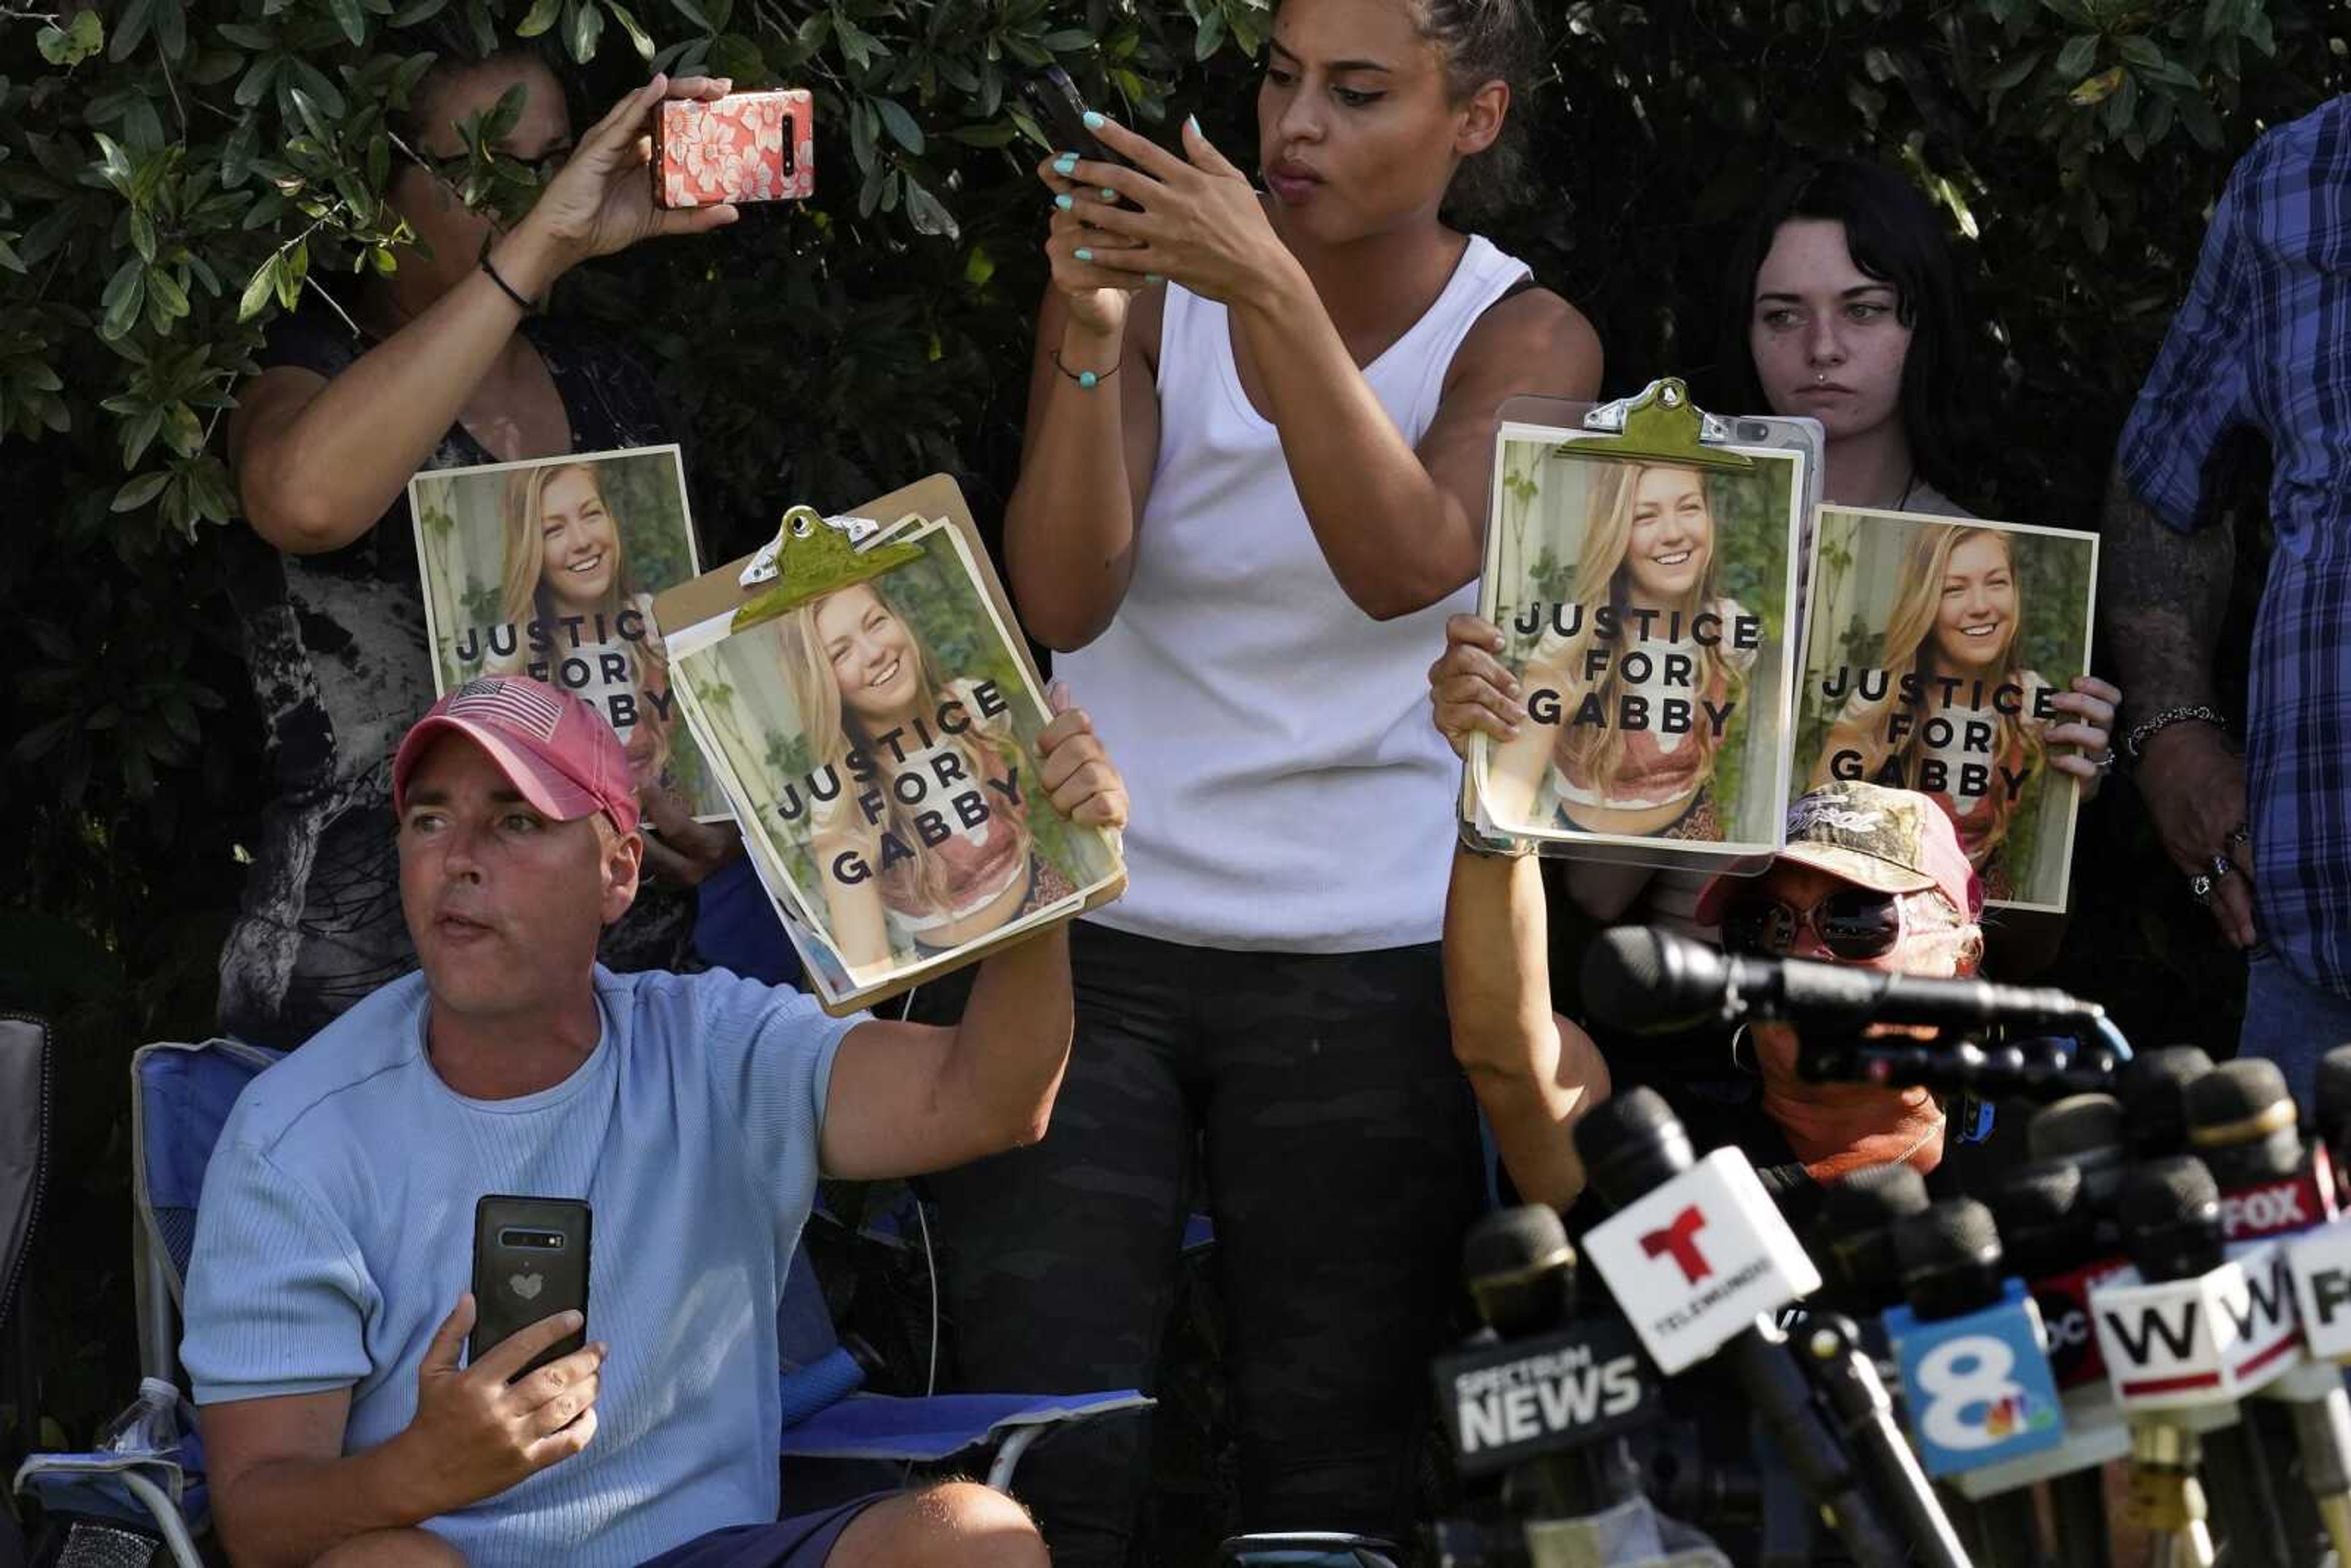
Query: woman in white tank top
x,y
1260,424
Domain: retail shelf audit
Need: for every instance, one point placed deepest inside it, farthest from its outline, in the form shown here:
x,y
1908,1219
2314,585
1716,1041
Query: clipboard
x,y
921,536
1772,457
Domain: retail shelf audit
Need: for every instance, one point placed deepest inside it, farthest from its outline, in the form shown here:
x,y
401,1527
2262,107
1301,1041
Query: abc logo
x,y
2067,1330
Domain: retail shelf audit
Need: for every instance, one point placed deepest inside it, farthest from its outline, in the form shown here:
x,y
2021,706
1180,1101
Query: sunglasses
x,y
1852,923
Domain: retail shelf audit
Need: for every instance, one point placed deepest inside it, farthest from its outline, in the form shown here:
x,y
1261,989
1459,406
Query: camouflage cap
x,y
1894,841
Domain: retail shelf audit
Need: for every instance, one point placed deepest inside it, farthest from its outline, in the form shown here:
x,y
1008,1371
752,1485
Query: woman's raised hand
x,y
1195,219
1468,689
601,201
2090,706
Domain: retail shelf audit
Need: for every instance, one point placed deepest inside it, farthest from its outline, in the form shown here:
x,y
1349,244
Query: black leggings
x,y
1342,1166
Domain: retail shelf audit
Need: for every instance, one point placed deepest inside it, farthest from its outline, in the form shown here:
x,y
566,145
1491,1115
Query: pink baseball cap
x,y
553,746
1894,841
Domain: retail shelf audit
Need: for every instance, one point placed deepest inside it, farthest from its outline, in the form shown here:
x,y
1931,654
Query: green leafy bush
x,y
174,172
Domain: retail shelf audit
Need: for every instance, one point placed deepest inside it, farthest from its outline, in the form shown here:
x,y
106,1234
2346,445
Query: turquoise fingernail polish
x,y
1064,203
1084,255
1109,194
1193,122
1066,165
1093,120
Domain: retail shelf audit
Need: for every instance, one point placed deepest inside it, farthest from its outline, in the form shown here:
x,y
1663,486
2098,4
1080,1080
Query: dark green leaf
x,y
125,293
638,38
900,124
351,18
130,28
586,28
693,14
246,37
541,16
138,492
2074,59
1069,40
927,213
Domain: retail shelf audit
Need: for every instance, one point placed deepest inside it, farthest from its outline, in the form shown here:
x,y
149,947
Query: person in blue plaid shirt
x,y
2261,836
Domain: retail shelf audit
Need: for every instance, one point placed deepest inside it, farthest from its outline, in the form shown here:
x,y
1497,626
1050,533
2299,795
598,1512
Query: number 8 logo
x,y
1963,1379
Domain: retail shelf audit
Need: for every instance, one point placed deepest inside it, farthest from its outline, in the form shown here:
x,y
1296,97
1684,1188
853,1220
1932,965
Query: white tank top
x,y
1288,791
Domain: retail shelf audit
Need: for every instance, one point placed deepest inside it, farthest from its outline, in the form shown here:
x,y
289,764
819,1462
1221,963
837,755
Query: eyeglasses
x,y
1852,923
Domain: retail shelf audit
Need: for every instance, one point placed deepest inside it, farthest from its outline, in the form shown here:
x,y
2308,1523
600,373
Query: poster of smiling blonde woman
x,y
1934,652
1644,603
879,741
548,568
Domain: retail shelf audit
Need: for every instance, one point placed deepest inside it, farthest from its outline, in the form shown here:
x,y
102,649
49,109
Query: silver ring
x,y
2104,760
2221,866
2200,888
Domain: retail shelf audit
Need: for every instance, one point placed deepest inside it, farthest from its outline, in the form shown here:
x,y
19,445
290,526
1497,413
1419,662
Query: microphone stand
x,y
1856,1396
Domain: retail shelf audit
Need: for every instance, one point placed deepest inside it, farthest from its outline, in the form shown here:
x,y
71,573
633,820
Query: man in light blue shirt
x,y
693,1113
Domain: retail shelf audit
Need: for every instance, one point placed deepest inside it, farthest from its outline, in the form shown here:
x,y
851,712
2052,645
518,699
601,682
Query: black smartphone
x,y
530,1261
1061,113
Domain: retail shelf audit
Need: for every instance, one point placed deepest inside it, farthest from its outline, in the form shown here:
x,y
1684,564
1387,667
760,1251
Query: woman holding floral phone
x,y
443,363
1261,422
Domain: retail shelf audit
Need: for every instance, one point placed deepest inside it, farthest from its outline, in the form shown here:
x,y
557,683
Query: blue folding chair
x,y
154,1478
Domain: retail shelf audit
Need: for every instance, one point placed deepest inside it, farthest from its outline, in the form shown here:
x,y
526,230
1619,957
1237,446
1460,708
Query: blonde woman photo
x,y
1648,545
916,796
576,620
1956,630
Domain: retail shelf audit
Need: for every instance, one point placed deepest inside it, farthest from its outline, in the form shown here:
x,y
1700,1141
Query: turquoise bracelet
x,y
1086,379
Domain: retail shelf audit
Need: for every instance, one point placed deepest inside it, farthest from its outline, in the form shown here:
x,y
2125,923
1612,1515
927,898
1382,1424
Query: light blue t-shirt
x,y
335,1233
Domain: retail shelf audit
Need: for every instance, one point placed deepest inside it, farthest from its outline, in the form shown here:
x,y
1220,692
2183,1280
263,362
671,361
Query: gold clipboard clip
x,y
1661,422
814,555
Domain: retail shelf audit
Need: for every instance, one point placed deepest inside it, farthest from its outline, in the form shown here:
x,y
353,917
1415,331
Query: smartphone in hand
x,y
1059,110
745,147
530,1262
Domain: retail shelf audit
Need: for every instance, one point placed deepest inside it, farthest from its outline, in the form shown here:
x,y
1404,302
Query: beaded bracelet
x,y
1087,379
2136,742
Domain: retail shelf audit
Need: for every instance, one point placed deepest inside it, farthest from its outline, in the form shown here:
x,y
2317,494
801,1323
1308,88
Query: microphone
x,y
1968,1346
2054,1240
2185,1333
2242,1123
1852,1237
2153,1088
1653,982
2087,1131
1547,1399
1696,1256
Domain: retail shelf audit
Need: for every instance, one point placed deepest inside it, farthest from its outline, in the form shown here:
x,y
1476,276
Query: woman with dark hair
x,y
1842,305
440,364
1260,429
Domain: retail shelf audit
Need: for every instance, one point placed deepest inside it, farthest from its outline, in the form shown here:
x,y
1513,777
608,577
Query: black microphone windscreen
x,y
2161,1193
1872,1196
1631,1142
2043,1191
2333,1092
1958,1232
1513,1240
2248,1090
2153,1087
2075,1127
1638,978
2046,1226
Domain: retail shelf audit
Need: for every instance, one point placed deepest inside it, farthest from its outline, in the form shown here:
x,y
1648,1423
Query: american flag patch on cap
x,y
524,705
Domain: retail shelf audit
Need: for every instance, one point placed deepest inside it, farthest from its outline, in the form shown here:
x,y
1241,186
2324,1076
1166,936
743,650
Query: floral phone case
x,y
745,147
